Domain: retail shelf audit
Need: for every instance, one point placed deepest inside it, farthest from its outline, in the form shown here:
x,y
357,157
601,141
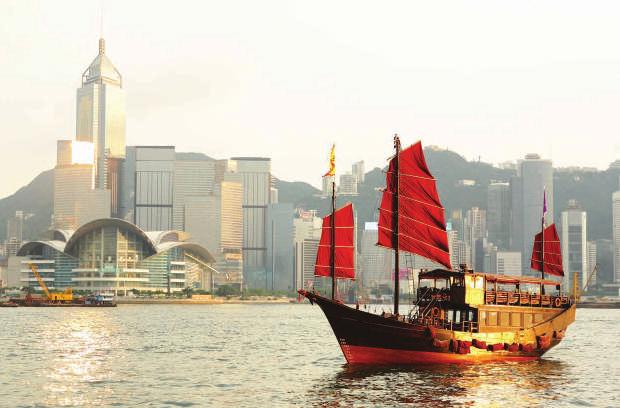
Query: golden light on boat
x,y
82,153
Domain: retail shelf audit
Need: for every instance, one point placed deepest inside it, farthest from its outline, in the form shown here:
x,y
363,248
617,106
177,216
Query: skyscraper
x,y
279,229
75,199
147,185
193,177
307,226
256,178
592,250
15,227
376,268
574,245
327,185
100,120
616,235
506,263
498,214
534,175
348,184
358,171
475,225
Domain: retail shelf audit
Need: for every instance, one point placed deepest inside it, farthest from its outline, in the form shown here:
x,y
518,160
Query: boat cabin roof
x,y
489,277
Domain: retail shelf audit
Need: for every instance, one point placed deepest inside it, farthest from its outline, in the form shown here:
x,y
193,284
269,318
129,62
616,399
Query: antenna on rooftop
x,y
101,19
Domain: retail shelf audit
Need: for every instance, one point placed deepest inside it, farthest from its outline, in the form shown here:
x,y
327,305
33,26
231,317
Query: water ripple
x,y
271,355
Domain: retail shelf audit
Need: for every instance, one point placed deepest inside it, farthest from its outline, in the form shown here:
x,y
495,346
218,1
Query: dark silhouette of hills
x,y
592,190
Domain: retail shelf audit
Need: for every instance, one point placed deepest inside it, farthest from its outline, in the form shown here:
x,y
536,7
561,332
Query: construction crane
x,y
64,297
576,291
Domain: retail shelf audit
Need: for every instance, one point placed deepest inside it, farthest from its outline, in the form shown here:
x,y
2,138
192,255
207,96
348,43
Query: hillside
x,y
35,199
591,189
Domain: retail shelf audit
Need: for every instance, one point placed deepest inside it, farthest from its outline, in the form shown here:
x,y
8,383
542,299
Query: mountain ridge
x,y
591,189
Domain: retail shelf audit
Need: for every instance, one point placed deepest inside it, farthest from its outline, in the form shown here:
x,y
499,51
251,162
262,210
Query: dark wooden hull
x,y
370,339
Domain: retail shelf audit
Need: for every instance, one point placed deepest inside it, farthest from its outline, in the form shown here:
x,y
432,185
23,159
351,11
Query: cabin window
x,y
527,319
504,319
515,319
492,319
479,283
482,317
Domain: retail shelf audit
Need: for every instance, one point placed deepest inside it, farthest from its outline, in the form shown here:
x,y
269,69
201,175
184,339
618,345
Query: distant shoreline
x,y
217,301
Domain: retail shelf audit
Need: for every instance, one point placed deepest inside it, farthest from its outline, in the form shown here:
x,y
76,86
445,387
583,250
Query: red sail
x,y
345,258
421,222
553,252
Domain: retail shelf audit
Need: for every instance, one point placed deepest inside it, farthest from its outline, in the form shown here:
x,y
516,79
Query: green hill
x,y
591,189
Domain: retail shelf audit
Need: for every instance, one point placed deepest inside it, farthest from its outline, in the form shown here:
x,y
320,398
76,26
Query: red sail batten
x,y
553,252
421,219
345,251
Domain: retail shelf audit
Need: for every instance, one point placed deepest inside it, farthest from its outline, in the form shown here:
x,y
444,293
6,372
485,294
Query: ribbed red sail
x,y
421,222
345,258
553,252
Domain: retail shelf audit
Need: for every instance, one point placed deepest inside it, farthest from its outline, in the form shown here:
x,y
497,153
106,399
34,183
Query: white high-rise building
x,y
506,263
376,268
306,230
192,178
574,245
348,184
616,235
592,248
327,187
358,171
475,231
100,120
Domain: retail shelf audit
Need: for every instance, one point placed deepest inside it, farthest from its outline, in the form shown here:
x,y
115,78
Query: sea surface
x,y
270,356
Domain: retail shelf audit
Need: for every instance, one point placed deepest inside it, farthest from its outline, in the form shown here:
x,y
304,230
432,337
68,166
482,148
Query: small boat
x,y
461,316
100,300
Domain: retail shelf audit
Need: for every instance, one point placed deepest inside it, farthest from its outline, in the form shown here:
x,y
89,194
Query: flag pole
x,y
542,240
333,238
395,219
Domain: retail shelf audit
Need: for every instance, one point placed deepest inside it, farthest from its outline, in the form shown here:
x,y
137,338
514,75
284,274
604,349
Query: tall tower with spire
x,y
100,119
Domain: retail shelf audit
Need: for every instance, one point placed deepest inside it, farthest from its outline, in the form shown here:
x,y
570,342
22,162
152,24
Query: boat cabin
x,y
475,301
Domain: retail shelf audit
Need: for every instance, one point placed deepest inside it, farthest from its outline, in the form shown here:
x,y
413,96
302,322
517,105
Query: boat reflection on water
x,y
526,384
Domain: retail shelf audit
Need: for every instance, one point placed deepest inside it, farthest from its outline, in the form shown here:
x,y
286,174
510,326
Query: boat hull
x,y
369,339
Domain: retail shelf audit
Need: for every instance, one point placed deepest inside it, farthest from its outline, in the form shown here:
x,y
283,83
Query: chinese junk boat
x,y
460,316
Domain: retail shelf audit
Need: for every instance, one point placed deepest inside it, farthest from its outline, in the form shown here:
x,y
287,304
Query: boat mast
x,y
332,263
395,225
542,251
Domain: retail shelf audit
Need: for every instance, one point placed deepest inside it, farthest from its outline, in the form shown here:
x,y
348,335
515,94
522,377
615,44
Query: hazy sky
x,y
286,78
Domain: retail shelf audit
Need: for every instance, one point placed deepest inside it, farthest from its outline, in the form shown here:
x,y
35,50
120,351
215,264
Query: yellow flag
x,y
332,163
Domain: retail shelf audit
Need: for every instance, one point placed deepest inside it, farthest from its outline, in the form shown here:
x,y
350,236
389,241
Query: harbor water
x,y
268,356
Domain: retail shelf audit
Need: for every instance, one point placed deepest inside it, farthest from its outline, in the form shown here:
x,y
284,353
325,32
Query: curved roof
x,y
63,235
107,222
30,247
197,249
159,237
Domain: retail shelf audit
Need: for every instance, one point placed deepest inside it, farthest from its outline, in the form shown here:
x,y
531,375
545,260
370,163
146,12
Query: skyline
x,y
216,75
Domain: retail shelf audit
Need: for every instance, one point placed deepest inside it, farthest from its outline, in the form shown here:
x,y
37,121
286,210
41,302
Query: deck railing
x,y
523,298
466,325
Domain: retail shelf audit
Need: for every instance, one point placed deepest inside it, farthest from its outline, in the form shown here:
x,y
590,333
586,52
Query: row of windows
x,y
508,319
